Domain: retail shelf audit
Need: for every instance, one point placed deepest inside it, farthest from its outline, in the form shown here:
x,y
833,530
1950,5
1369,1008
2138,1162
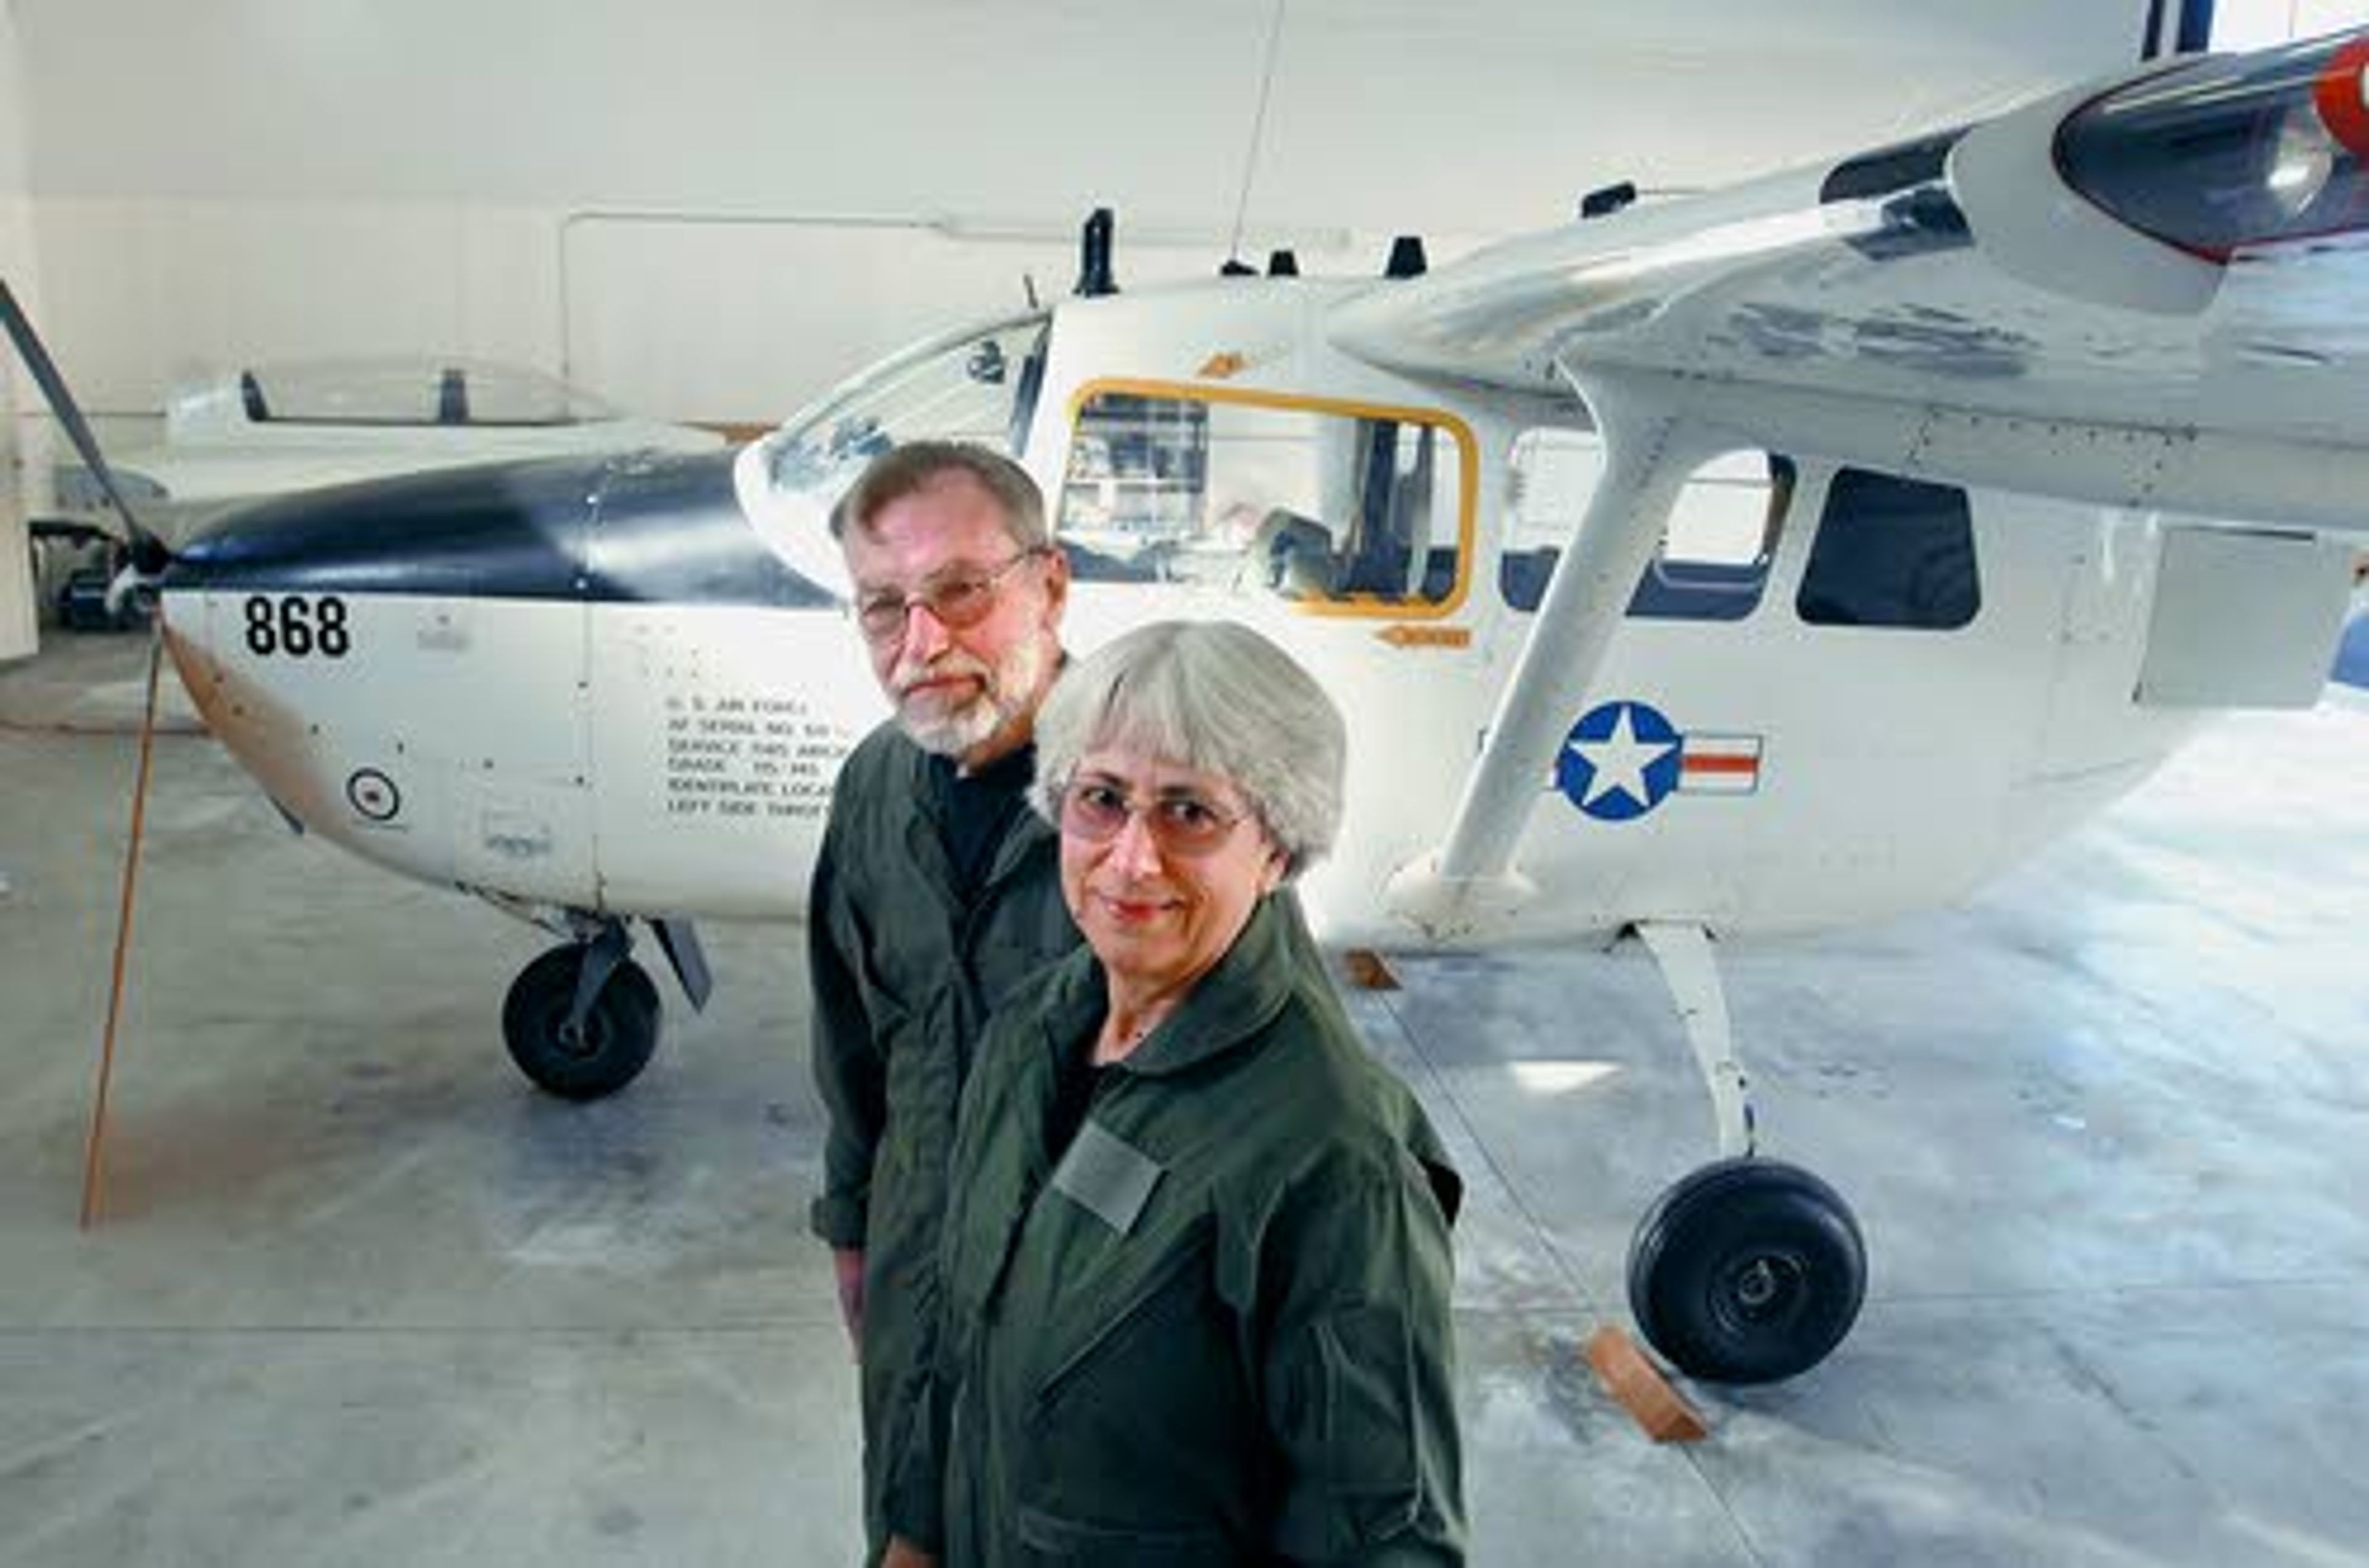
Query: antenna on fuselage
x,y
1094,279
1607,200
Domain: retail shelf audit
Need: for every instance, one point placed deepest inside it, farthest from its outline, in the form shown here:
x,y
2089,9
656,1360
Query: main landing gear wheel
x,y
1746,1271
601,1055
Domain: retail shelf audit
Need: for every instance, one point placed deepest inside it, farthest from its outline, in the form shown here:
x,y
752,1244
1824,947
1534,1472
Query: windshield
x,y
976,385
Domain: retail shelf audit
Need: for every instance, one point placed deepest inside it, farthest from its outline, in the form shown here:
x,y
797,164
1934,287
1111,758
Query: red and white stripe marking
x,y
1720,764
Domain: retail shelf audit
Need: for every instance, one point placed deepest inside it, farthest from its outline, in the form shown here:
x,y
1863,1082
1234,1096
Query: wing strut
x,y
1469,883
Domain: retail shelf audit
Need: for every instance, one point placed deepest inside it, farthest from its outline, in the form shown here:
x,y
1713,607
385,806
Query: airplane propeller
x,y
150,554
149,557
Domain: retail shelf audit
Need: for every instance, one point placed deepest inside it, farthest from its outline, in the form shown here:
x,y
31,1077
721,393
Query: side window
x,y
1715,555
1890,551
1326,504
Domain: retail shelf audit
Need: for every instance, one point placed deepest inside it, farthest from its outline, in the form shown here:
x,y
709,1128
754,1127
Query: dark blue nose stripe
x,y
631,529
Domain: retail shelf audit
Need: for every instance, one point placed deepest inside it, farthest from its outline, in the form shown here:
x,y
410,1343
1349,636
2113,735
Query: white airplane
x,y
1747,565
268,428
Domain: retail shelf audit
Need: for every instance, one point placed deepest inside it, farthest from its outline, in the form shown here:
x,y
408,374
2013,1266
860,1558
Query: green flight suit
x,y
905,971
1213,1327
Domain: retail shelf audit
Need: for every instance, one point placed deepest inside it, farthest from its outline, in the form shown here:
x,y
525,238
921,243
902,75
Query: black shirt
x,y
975,808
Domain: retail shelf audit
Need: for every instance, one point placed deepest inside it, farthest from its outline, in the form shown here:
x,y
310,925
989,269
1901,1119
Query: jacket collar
x,y
1239,996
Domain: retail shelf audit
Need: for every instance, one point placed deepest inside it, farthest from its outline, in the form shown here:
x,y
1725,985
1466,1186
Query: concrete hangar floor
x,y
362,1297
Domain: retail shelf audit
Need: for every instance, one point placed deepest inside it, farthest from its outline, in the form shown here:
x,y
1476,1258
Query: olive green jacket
x,y
904,976
1215,1329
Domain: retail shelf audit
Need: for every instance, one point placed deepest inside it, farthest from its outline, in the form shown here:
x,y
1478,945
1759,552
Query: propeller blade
x,y
94,1150
149,553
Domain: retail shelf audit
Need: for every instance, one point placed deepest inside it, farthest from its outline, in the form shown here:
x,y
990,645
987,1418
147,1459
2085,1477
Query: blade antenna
x,y
1258,127
93,1149
148,552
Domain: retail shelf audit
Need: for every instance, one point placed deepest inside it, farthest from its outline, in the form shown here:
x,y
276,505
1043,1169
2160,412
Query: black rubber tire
x,y
620,1032
1746,1271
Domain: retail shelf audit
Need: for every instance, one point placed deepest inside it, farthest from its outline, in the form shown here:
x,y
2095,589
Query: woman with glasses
x,y
1195,1269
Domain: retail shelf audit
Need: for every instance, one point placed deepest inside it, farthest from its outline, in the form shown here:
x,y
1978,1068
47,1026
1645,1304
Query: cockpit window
x,y
1336,506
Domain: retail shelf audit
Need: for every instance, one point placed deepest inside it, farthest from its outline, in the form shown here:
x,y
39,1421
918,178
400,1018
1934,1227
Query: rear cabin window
x,y
1890,551
1715,553
1330,505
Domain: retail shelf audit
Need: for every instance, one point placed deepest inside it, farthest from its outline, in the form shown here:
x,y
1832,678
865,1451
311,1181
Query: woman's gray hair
x,y
1215,697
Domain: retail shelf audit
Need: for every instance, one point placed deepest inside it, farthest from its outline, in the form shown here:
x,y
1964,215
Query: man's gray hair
x,y
1215,697
906,470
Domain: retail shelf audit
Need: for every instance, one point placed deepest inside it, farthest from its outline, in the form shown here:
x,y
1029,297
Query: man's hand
x,y
903,1553
847,1262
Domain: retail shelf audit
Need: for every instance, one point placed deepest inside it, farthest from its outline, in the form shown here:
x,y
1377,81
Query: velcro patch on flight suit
x,y
1107,1176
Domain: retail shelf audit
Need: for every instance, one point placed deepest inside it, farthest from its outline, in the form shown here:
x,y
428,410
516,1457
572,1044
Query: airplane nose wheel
x,y
1746,1271
596,1054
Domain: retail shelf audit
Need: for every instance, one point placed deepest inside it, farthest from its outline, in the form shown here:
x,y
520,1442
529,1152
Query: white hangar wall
x,y
17,434
710,209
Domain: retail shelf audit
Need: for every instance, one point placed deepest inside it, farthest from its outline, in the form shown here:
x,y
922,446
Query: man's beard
x,y
1008,690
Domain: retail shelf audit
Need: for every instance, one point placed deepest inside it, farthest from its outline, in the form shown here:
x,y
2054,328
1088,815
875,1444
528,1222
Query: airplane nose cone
x,y
621,529
507,530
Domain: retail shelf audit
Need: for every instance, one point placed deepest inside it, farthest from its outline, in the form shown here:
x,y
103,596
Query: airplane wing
x,y
2144,292
2141,293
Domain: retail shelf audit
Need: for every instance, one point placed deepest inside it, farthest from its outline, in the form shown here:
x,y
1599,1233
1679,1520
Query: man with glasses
x,y
937,889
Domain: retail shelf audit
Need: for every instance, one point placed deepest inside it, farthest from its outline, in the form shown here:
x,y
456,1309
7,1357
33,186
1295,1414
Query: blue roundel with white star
x,y
1618,762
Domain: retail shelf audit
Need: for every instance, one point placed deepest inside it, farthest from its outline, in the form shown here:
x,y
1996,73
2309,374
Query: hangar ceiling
x,y
708,210
1480,115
